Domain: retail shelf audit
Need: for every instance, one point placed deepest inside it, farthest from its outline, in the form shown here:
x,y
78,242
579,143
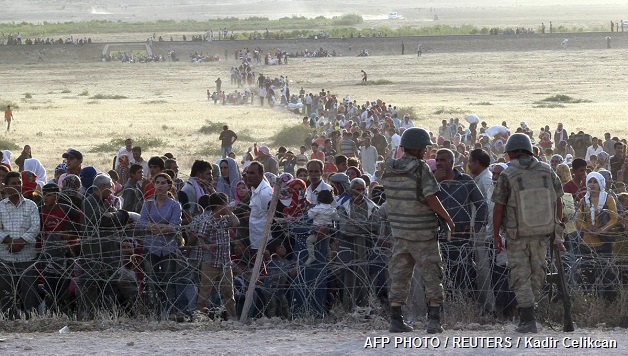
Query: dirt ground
x,y
270,339
510,72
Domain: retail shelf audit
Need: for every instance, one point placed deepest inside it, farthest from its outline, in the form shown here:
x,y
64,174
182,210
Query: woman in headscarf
x,y
71,191
30,188
299,202
241,209
33,165
596,215
26,153
6,159
87,176
603,160
229,177
285,195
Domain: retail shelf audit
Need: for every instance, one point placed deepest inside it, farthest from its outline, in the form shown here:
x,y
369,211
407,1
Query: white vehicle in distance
x,y
394,16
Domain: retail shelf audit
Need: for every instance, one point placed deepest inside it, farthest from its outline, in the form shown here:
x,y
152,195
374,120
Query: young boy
x,y
280,271
302,157
212,230
324,216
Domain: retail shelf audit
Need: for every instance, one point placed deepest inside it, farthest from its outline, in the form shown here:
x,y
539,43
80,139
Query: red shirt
x,y
573,188
54,220
318,155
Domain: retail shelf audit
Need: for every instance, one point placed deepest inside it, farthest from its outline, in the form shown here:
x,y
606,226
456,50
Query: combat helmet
x,y
415,138
518,141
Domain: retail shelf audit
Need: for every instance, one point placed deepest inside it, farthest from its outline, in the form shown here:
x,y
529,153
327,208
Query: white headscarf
x,y
6,157
602,197
33,165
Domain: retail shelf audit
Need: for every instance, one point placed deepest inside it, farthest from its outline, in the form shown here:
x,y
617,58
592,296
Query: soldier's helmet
x,y
415,138
518,141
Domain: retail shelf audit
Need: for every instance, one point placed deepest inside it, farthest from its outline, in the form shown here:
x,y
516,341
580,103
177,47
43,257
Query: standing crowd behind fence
x,y
142,239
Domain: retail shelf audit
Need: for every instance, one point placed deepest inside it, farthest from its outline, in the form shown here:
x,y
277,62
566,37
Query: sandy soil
x,y
269,339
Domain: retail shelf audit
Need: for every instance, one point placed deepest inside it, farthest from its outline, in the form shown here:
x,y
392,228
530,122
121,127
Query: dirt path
x,y
270,340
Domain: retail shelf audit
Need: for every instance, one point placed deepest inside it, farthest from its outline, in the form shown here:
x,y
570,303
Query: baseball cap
x,y
264,150
51,188
73,153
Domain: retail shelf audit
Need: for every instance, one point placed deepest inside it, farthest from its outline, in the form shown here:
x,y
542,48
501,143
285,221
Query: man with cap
x,y
528,206
267,160
413,210
73,160
19,228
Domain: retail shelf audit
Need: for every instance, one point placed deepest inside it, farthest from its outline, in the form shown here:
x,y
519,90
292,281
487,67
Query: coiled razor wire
x,y
83,273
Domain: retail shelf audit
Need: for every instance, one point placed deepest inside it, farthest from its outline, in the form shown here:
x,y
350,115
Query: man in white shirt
x,y
19,228
406,123
261,195
368,156
126,150
314,172
395,141
594,149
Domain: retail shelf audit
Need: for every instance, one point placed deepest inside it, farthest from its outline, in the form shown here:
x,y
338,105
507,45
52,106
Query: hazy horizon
x,y
453,12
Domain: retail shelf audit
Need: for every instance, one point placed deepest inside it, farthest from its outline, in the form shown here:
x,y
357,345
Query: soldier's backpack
x,y
535,198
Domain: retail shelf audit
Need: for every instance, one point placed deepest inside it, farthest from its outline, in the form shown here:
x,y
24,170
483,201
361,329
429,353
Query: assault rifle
x,y
559,279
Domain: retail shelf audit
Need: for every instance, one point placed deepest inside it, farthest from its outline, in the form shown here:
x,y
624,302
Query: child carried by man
x,y
324,216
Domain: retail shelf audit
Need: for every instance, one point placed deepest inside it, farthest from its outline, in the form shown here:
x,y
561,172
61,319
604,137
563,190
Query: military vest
x,y
532,199
409,215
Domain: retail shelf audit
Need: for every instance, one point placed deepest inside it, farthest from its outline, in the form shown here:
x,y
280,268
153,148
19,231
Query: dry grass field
x,y
498,77
167,101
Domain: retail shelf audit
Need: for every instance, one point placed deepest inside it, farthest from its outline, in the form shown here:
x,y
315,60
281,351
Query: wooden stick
x,y
260,253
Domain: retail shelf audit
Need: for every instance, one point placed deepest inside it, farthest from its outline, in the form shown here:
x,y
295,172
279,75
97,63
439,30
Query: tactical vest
x,y
533,199
408,213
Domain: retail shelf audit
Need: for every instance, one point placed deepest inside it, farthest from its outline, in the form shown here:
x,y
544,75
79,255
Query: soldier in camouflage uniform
x,y
526,240
413,210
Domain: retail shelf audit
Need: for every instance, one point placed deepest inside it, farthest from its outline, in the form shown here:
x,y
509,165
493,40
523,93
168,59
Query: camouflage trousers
x,y
405,255
526,260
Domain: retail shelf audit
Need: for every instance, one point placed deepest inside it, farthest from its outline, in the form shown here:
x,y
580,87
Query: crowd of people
x,y
16,39
141,234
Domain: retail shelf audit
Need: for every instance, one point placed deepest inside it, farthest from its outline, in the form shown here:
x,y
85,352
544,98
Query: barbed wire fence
x,y
104,269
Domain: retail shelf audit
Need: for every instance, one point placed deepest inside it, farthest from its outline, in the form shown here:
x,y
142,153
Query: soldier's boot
x,y
310,243
527,321
433,320
397,324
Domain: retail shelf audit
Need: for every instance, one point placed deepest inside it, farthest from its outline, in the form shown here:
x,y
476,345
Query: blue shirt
x,y
458,196
169,213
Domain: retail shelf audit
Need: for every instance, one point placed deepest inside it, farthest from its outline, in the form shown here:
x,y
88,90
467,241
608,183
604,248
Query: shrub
x,y
347,20
66,91
211,127
380,82
154,102
291,136
109,96
444,110
5,144
402,110
84,93
562,98
5,103
28,96
115,143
